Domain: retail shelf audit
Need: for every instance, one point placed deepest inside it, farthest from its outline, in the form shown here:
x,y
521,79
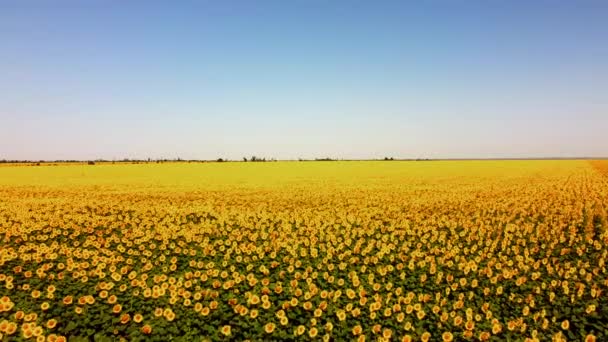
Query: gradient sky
x,y
290,79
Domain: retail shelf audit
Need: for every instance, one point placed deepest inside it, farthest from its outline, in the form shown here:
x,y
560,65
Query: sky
x,y
303,79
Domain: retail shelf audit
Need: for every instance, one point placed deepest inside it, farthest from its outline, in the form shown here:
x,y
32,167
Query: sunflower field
x,y
340,251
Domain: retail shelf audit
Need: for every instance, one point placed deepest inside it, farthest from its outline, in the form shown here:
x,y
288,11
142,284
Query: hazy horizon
x,y
303,79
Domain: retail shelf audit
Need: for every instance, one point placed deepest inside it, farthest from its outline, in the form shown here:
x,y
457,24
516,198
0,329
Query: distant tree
x,y
244,159
90,162
220,160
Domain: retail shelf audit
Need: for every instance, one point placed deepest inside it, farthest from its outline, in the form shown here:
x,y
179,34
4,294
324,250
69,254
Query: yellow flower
x,y
590,338
294,301
226,330
254,299
300,330
146,329
269,327
387,333
469,325
51,323
37,331
125,318
376,328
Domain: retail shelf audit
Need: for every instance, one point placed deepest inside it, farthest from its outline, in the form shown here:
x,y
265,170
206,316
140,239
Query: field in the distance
x,y
437,251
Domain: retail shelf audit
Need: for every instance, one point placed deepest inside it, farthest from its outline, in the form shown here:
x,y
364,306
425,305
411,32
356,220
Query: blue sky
x,y
290,79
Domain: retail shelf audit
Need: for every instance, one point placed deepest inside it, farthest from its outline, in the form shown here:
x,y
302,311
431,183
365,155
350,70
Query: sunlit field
x,y
400,251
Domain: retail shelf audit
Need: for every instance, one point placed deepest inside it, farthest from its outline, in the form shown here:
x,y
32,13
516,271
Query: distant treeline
x,y
253,159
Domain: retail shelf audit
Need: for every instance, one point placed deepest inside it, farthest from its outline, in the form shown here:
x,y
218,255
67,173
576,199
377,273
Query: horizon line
x,y
269,160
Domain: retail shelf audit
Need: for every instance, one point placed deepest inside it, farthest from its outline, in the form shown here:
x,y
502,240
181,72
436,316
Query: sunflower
x,y
51,323
469,325
307,306
253,300
112,299
376,328
125,318
293,301
37,331
269,327
27,333
253,313
300,330
590,338
146,329
387,333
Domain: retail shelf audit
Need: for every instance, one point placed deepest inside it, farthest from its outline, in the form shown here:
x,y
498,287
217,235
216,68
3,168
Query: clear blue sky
x,y
289,79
